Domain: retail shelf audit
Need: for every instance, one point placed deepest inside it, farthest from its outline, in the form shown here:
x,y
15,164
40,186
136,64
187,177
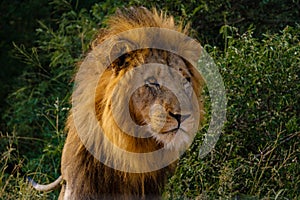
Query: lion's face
x,y
152,94
165,102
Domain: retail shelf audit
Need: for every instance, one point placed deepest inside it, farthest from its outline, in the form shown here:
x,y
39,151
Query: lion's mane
x,y
86,177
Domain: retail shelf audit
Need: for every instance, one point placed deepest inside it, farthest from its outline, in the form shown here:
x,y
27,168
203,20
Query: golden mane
x,y
86,176
133,18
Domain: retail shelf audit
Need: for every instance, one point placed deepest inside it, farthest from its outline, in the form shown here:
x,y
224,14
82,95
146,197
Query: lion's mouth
x,y
173,131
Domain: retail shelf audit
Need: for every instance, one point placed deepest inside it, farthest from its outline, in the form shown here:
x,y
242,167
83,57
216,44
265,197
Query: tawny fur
x,y
86,177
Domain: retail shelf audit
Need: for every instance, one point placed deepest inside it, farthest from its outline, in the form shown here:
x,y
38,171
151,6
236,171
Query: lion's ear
x,y
119,51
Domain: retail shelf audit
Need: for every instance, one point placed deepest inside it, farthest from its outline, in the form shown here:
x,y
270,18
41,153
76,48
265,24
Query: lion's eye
x,y
152,85
151,82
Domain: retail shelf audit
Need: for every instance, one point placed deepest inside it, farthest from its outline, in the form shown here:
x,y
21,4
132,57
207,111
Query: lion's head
x,y
149,99
154,98
141,82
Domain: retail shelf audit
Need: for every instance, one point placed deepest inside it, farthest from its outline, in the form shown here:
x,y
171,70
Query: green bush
x,y
208,17
38,107
257,155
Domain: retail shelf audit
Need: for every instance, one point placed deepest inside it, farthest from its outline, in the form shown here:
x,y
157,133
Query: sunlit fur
x,y
85,176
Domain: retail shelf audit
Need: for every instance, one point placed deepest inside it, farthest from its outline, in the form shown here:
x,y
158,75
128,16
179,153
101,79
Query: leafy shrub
x,y
208,17
258,153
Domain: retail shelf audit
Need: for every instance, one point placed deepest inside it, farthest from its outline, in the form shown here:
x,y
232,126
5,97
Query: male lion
x,y
146,100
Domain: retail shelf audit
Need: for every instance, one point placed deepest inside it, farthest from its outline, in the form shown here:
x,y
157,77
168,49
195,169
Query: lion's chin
x,y
174,140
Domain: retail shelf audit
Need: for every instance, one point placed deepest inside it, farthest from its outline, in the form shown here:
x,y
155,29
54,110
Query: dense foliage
x,y
258,153
258,54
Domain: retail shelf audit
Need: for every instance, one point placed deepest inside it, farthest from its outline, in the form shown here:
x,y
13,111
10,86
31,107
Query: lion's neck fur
x,y
100,181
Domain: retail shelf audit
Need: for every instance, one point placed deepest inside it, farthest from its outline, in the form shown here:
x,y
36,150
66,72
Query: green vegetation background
x,y
255,44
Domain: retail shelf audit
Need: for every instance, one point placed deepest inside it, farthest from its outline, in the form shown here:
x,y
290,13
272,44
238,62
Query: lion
x,y
145,100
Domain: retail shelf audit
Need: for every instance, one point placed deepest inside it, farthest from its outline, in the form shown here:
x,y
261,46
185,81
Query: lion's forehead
x,y
166,58
162,72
